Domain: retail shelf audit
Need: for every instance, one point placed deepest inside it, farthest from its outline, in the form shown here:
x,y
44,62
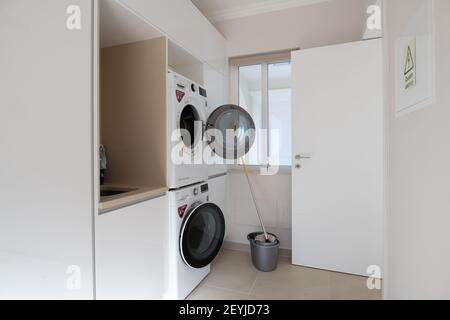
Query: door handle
x,y
299,157
303,156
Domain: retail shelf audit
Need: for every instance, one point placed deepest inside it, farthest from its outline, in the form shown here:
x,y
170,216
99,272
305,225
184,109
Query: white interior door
x,y
337,180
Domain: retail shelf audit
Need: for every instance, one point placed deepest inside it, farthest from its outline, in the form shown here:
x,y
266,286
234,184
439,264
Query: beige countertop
x,y
135,195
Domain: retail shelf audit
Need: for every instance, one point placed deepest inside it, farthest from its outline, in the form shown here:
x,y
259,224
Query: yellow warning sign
x,y
410,65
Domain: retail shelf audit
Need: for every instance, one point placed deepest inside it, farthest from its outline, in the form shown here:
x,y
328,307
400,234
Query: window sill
x,y
282,170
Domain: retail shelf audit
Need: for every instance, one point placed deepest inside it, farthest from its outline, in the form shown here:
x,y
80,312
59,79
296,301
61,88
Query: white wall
x,y
273,194
418,254
326,23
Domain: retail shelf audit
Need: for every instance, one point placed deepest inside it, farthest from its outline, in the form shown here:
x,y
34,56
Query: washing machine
x,y
196,233
186,113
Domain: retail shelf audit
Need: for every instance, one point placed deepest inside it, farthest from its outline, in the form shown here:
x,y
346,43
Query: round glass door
x,y
190,126
202,235
230,132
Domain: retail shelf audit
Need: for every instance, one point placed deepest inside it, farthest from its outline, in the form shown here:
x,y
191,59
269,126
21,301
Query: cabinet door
x,y
46,205
130,251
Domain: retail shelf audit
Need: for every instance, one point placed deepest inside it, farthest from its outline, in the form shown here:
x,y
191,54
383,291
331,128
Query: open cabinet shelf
x,y
133,72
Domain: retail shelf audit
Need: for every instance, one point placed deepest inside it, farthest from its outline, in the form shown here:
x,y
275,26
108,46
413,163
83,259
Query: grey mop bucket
x,y
264,254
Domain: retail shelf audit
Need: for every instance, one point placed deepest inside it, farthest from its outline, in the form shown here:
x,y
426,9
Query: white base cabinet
x,y
130,252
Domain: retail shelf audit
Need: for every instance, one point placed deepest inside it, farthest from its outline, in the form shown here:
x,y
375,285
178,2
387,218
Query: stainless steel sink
x,y
110,192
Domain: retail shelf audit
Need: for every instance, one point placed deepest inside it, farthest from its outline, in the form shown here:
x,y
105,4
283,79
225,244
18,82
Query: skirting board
x,y
246,248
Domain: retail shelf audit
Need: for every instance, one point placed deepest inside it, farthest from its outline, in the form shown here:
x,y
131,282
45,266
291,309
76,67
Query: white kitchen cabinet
x,y
46,189
48,131
184,24
217,195
131,252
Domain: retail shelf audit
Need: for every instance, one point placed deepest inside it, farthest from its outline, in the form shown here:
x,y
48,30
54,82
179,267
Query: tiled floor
x,y
233,277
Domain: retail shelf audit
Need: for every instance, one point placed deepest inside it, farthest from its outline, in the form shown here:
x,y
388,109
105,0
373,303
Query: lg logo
x,y
73,22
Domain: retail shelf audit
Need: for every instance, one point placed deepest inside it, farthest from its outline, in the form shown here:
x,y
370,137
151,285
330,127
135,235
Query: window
x,y
264,90
279,109
250,98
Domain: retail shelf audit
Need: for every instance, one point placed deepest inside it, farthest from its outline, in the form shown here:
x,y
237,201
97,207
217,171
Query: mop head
x,y
262,239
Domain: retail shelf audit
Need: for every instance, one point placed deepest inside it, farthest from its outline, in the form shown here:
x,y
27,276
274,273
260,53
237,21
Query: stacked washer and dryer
x,y
196,226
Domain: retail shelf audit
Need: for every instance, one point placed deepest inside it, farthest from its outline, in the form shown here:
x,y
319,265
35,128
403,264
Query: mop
x,y
265,237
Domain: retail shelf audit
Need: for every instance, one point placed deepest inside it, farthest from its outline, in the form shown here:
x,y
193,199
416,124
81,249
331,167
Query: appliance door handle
x,y
303,156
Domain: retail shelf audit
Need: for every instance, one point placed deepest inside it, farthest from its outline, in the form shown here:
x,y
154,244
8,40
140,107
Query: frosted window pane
x,y
280,108
250,84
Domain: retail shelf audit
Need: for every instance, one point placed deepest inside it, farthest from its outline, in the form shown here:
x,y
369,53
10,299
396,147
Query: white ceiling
x,y
218,10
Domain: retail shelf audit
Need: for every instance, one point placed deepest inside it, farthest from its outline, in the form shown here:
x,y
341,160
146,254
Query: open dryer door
x,y
230,132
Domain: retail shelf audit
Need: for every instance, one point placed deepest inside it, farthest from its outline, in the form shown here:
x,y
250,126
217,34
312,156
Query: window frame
x,y
263,60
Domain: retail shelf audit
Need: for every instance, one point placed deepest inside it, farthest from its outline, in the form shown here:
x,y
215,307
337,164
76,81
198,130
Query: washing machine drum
x,y
202,235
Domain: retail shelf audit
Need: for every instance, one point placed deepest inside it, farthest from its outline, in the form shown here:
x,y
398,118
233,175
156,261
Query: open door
x,y
337,175
230,132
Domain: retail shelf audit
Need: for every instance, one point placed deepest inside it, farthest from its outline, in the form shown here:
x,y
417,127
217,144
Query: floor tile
x,y
349,287
207,293
232,271
292,282
233,277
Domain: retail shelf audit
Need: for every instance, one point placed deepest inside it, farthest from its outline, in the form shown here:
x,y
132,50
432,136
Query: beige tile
x,y
349,287
234,277
232,270
292,282
228,257
208,293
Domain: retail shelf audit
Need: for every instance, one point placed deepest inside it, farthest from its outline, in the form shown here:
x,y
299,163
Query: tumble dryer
x,y
190,131
186,114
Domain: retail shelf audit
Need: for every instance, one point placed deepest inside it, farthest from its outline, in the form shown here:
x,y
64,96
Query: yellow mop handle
x,y
266,235
245,167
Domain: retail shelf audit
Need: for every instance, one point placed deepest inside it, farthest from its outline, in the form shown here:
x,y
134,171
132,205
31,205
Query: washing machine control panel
x,y
202,92
204,188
